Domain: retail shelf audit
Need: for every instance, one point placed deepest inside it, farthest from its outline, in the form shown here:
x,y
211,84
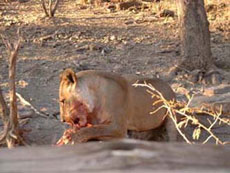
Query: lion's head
x,y
72,110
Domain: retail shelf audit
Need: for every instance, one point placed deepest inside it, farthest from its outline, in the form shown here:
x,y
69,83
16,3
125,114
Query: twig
x,y
178,129
186,112
216,119
50,36
165,105
26,103
196,122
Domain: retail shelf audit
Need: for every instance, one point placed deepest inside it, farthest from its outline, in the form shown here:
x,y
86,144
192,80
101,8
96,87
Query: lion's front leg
x,y
94,132
98,132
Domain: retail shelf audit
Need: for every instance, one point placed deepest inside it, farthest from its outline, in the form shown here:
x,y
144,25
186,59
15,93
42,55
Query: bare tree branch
x,y
50,8
11,134
184,111
55,7
44,7
50,11
26,103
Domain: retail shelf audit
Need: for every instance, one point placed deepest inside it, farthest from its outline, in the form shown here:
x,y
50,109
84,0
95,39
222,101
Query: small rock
x,y
212,17
115,1
117,67
22,83
212,77
120,47
182,90
93,47
82,48
112,37
129,22
23,1
128,4
224,106
111,8
167,13
211,7
216,78
219,28
83,7
217,90
106,39
196,76
222,5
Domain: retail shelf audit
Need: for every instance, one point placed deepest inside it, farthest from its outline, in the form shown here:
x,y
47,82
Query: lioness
x,y
110,104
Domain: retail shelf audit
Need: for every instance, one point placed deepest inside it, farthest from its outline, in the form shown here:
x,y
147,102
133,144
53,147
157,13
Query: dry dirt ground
x,y
133,41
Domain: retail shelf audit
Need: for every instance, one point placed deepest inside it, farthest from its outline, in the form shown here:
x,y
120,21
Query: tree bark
x,y
195,35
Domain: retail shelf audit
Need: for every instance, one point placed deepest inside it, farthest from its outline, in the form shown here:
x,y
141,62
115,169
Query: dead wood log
x,y
117,156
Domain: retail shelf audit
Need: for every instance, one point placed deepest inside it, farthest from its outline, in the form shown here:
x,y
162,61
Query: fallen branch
x,y
26,103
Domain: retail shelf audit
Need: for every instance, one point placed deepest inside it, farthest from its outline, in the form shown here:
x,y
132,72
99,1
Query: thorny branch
x,y
186,115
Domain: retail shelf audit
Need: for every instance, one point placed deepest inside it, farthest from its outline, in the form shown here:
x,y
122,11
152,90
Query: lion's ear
x,y
69,76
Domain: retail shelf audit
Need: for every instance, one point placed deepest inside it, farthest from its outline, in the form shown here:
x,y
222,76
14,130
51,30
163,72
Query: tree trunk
x,y
195,35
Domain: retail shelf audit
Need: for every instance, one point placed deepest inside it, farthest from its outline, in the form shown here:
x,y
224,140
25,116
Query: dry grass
x,y
182,114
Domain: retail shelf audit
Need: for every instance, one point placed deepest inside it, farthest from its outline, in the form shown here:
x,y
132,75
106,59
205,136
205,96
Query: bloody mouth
x,y
78,115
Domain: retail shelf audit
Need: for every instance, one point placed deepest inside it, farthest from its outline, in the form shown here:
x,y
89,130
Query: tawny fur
x,y
112,104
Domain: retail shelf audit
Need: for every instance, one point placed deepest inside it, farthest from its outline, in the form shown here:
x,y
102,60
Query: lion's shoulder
x,y
98,75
